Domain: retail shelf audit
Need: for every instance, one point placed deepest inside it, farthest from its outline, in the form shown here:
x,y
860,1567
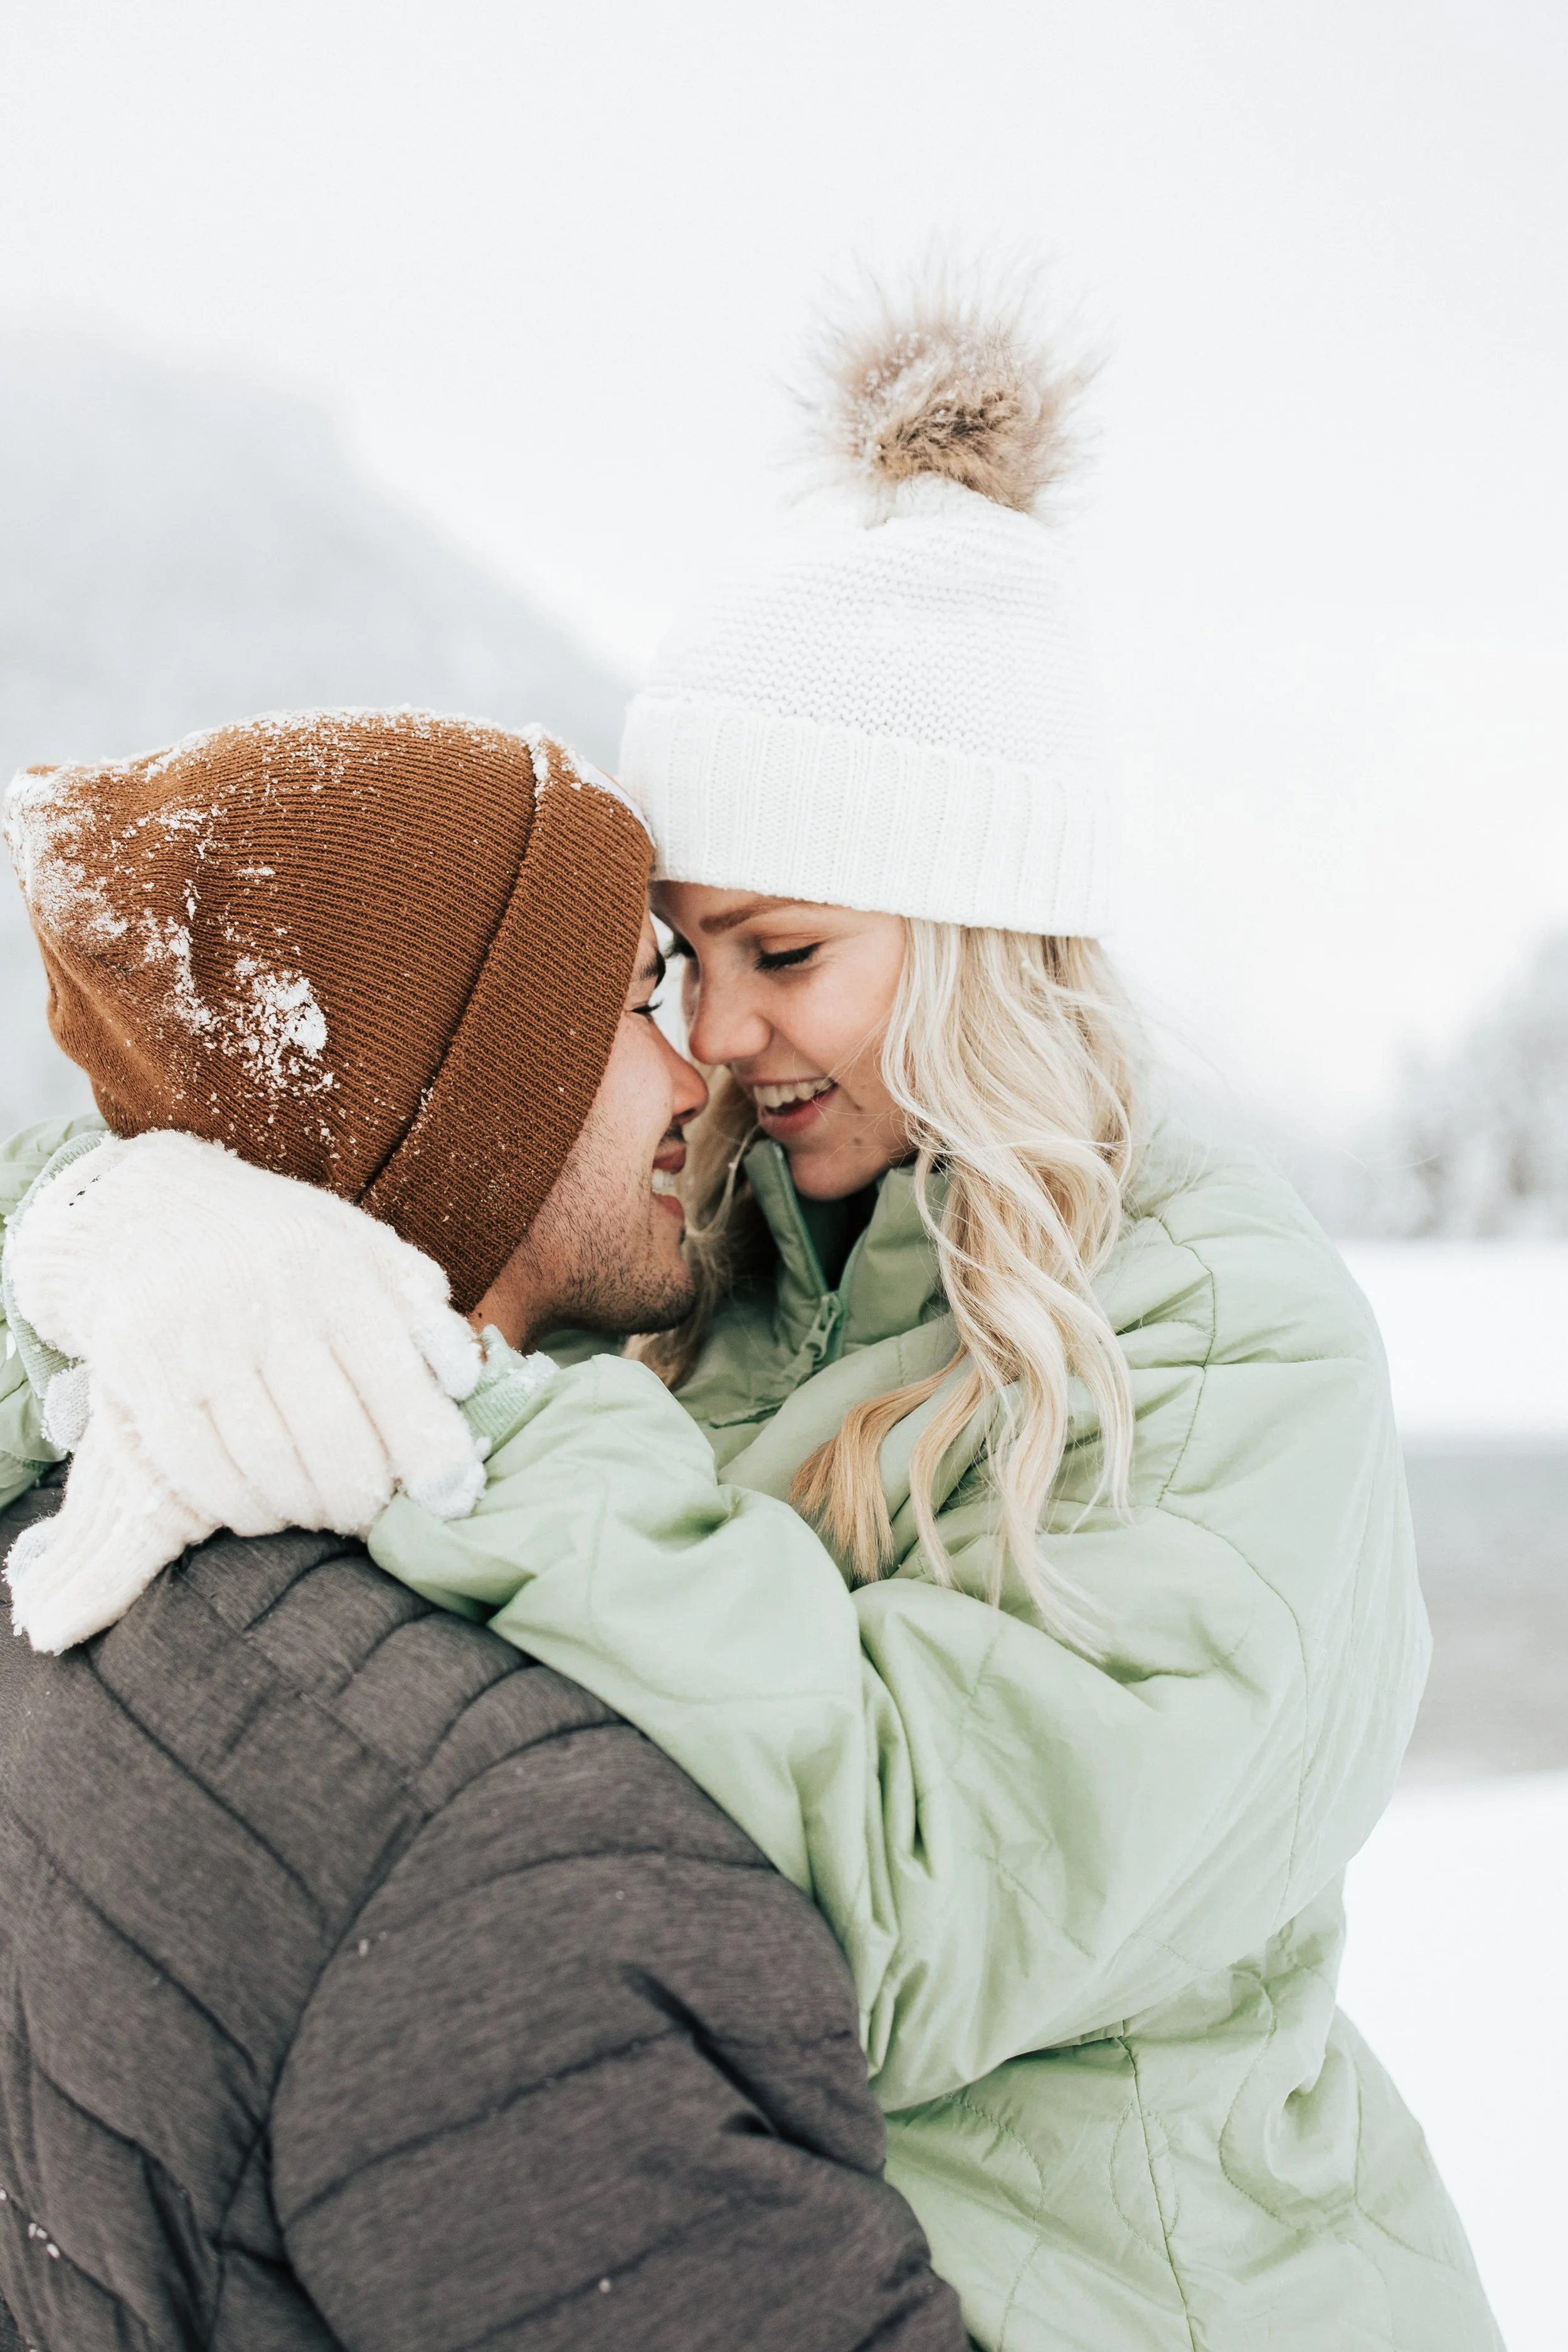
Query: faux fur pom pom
x,y
955,385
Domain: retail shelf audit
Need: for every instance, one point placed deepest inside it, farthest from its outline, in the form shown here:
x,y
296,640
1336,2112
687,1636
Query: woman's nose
x,y
723,1028
689,1089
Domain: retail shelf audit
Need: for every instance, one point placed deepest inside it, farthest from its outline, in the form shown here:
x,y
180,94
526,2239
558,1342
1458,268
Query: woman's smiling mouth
x,y
785,1107
783,1095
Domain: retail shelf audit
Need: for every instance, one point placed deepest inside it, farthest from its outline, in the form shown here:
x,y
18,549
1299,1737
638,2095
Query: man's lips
x,y
667,1167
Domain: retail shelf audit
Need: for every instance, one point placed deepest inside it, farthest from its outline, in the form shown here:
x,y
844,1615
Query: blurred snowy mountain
x,y
184,547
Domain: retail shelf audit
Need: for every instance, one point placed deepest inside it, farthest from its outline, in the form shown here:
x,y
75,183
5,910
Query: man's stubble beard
x,y
613,1278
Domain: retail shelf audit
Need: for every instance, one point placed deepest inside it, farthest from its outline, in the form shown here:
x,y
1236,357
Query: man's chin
x,y
673,1303
627,1309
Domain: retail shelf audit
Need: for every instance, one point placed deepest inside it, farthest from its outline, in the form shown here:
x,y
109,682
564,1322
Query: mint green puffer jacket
x,y
25,1451
1093,1909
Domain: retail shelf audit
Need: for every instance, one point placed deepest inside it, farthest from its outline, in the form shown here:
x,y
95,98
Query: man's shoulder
x,y
225,1777
255,1664
238,1764
195,1810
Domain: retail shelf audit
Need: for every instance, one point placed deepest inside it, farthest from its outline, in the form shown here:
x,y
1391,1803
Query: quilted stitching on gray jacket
x,y
363,1984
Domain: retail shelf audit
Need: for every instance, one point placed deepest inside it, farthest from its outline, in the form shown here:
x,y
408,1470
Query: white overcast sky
x,y
550,267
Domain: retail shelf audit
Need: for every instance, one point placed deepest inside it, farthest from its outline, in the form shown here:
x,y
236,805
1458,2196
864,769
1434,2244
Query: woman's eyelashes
x,y
785,959
768,959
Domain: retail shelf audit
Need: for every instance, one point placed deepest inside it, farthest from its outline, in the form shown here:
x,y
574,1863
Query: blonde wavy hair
x,y
1011,1058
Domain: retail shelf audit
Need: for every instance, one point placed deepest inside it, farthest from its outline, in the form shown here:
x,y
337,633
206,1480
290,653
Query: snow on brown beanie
x,y
384,952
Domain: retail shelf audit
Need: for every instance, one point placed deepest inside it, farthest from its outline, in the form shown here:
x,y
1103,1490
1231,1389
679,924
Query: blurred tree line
x,y
1474,1139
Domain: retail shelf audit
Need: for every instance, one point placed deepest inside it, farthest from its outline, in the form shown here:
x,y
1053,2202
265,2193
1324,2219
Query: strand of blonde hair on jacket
x,y
1010,1057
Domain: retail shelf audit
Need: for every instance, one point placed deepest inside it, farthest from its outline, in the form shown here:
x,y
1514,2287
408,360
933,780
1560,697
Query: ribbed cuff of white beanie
x,y
796,808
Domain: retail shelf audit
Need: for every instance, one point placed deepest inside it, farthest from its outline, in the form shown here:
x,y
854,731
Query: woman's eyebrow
x,y
653,969
714,924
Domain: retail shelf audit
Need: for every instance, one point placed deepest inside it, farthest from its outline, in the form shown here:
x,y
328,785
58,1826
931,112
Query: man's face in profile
x,y
604,1250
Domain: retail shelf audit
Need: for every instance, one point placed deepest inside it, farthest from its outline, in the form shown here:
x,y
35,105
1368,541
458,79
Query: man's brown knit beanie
x,y
384,951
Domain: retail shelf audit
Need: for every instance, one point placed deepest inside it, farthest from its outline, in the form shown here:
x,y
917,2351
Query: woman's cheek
x,y
820,1030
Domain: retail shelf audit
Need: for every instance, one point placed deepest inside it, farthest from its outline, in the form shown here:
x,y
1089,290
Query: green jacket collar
x,y
890,1281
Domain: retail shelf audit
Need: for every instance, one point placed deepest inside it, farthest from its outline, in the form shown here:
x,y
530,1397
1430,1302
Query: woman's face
x,y
794,999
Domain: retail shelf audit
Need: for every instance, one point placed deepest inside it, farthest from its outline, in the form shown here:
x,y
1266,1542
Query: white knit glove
x,y
252,1353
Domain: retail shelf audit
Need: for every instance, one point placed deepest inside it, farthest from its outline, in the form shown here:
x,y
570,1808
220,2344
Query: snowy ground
x,y
1458,1904
1458,1925
1475,1333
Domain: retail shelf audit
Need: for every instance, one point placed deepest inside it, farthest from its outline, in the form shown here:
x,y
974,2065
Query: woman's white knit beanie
x,y
894,711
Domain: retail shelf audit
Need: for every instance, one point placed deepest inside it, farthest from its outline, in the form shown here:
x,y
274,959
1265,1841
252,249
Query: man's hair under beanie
x,y
382,952
895,711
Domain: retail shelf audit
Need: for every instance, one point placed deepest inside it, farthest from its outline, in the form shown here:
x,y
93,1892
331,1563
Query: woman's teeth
x,y
799,1091
663,1181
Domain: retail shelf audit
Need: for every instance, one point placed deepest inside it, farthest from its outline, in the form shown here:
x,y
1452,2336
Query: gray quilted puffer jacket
x,y
363,1984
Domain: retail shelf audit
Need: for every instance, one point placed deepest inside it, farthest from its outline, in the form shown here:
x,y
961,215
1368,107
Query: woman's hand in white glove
x,y
72,1575
259,1352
